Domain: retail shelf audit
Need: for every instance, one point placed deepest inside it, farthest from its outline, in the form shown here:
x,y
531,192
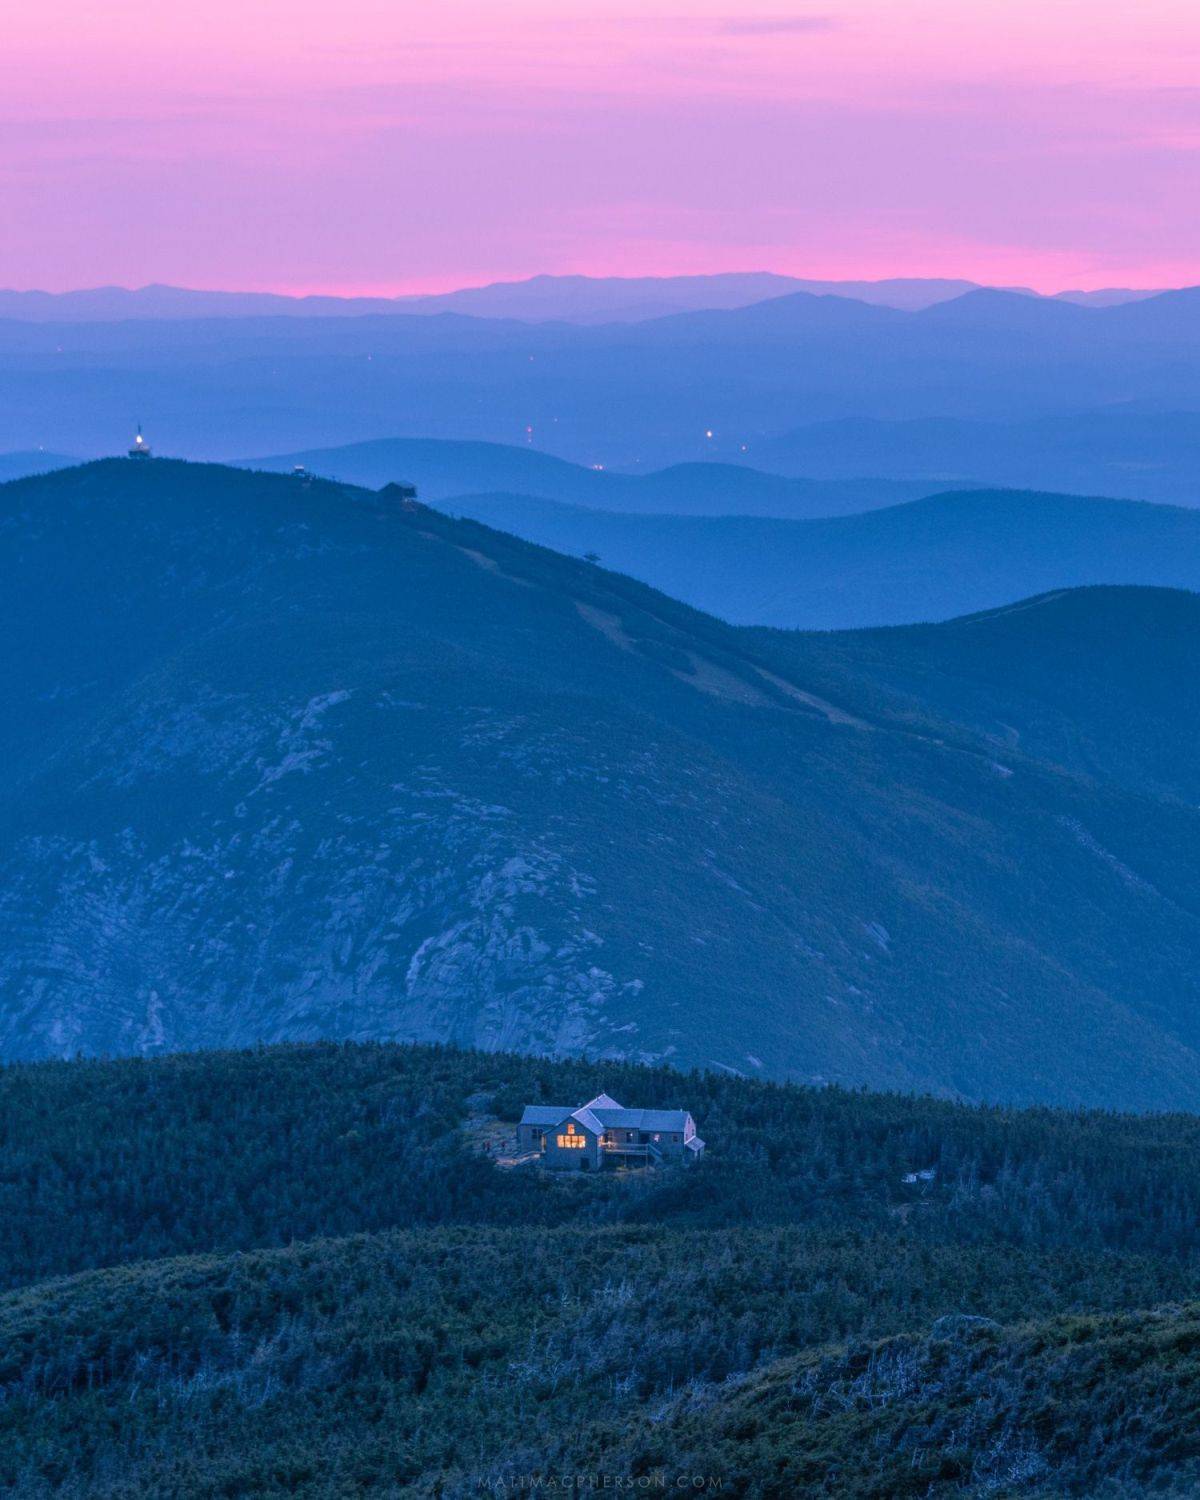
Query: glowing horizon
x,y
376,148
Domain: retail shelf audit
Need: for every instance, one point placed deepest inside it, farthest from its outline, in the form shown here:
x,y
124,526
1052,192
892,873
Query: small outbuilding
x,y
403,493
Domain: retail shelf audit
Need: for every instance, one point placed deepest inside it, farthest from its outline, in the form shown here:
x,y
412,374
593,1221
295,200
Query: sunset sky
x,y
387,146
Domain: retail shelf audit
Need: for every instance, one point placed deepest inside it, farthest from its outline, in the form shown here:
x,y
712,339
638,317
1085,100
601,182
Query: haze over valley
x,y
1003,388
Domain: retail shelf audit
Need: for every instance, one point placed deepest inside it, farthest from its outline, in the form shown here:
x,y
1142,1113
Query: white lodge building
x,y
602,1134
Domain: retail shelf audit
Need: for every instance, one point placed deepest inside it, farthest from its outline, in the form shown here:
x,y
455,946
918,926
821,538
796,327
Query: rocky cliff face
x,y
309,888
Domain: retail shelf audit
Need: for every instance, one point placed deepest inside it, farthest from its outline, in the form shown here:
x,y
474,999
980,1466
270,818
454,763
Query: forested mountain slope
x,y
214,1287
290,761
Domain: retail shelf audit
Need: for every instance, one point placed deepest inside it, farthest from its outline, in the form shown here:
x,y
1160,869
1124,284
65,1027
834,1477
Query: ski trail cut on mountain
x,y
606,624
720,682
834,714
706,676
480,559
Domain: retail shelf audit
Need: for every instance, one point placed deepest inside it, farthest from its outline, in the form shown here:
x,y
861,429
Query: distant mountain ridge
x,y
573,299
1134,453
443,469
696,385
286,760
927,560
21,465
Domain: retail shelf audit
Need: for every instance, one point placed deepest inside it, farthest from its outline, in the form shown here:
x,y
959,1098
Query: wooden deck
x,y
649,1153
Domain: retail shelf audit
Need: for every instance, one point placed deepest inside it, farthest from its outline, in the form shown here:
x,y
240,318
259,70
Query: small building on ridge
x,y
602,1133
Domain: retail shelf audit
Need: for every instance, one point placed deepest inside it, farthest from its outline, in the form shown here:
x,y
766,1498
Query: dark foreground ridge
x,y
309,1280
290,760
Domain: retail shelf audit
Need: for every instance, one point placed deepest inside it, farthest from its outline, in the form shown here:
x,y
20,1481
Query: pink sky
x,y
388,146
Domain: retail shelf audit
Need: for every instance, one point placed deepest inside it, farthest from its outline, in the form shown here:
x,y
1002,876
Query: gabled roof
x,y
603,1111
601,1101
643,1119
545,1114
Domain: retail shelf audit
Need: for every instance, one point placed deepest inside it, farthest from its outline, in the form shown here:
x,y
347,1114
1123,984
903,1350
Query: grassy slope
x,y
790,1316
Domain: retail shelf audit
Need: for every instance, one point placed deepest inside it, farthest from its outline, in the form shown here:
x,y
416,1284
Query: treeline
x,y
107,1162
